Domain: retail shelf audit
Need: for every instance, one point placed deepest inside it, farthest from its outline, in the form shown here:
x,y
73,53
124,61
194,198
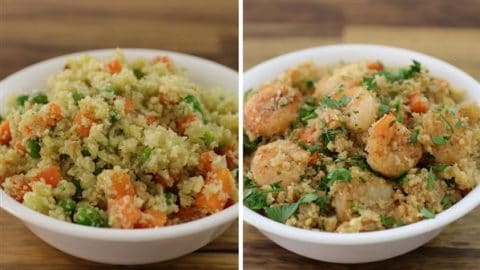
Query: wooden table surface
x,y
449,30
31,31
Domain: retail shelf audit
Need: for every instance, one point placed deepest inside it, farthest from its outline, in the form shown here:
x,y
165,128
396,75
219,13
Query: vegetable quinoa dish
x,y
358,147
121,144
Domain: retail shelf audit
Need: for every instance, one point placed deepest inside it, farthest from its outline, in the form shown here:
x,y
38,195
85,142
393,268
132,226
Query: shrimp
x,y
281,160
271,110
374,194
390,152
362,109
444,125
346,77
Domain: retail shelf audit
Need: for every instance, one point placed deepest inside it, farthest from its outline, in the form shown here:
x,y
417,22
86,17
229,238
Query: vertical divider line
x,y
240,134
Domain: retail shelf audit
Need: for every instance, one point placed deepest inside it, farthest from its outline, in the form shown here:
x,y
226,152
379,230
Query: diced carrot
x,y
231,155
51,175
214,202
165,99
83,122
375,66
418,103
114,66
151,119
206,159
307,136
122,185
5,134
53,115
172,179
20,147
128,105
164,59
123,213
18,188
152,218
189,214
313,159
183,123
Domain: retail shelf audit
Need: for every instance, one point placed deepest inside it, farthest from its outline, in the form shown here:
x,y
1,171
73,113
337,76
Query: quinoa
x,y
122,144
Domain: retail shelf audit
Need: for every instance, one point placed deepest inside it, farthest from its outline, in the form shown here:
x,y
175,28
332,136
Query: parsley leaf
x,y
430,179
255,200
283,212
311,149
339,174
414,137
427,213
369,83
248,145
447,202
336,104
191,99
387,221
248,183
207,138
440,140
310,84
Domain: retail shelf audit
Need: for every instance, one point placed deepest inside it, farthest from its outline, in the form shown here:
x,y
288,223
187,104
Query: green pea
x,y
40,99
33,148
21,100
146,153
68,205
89,216
77,96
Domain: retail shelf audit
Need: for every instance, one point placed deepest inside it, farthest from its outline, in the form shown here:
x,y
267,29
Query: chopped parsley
x,y
40,99
447,202
145,154
336,104
329,135
387,221
192,100
248,145
431,179
255,200
427,213
439,167
310,84
440,140
414,137
21,100
339,174
138,73
369,83
312,148
305,113
207,138
384,105
248,183
283,212
458,124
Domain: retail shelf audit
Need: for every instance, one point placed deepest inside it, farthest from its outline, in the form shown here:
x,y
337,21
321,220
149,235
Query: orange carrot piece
x,y
122,185
151,119
20,147
19,188
152,218
183,123
123,213
50,174
306,136
5,134
215,202
54,114
206,159
83,123
418,103
114,66
375,66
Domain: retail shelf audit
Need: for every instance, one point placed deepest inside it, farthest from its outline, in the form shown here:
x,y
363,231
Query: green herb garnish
x,y
33,148
336,104
414,137
339,174
138,73
40,99
207,138
21,100
430,179
440,140
283,212
145,154
427,213
192,100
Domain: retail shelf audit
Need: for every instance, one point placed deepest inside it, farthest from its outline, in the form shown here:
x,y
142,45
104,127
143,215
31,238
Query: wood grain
x,y
31,31
445,29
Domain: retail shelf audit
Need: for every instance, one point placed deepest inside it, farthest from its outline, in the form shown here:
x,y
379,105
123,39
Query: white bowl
x,y
117,246
368,246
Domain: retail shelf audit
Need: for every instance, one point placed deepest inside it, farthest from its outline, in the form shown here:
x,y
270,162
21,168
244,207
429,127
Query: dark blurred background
x,y
447,29
32,30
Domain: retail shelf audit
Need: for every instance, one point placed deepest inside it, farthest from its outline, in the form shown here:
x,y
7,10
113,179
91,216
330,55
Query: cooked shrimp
x,y
346,77
373,194
389,151
281,160
271,110
457,142
362,109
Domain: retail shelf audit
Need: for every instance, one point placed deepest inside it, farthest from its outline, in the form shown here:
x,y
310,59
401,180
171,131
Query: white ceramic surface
x,y
116,246
369,246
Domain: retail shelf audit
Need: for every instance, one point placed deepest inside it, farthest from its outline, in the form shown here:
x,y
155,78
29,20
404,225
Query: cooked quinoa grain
x,y
122,144
358,147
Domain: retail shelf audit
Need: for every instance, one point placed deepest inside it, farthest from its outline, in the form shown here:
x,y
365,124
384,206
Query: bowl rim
x,y
32,217
458,210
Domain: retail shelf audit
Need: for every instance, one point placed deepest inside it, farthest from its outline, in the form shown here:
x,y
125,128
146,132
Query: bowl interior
x,y
35,76
390,56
